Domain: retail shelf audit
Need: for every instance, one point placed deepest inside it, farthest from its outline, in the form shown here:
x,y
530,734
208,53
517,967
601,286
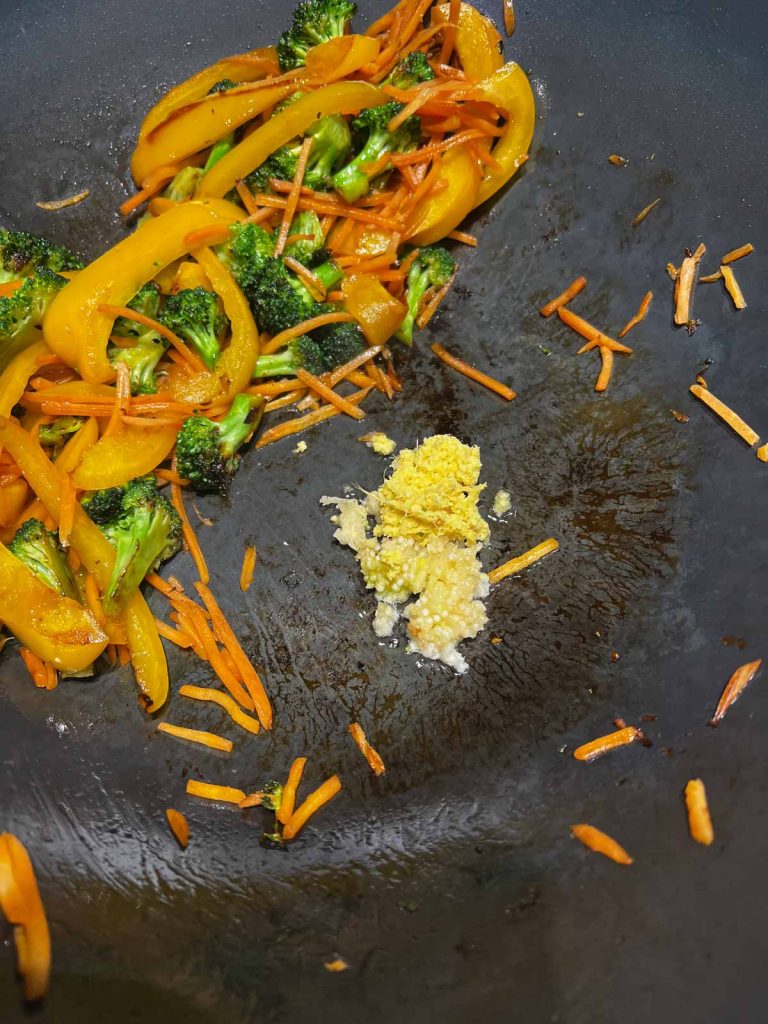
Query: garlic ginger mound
x,y
418,536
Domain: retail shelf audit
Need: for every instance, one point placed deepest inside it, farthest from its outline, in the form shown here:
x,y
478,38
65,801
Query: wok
x,y
450,885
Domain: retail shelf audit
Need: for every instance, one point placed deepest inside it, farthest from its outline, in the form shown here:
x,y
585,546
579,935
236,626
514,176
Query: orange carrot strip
x,y
267,388
246,197
67,513
727,415
21,904
178,344
172,634
684,283
214,656
565,297
8,288
515,565
209,791
288,799
284,337
473,373
189,534
509,17
604,744
179,826
343,371
314,285
205,693
431,307
93,599
463,236
734,688
449,32
123,654
732,287
205,739
640,217
311,805
639,316
321,205
586,330
296,426
699,820
122,398
249,565
329,395
166,589
606,369
598,841
35,667
736,254
372,756
426,153
215,234
289,399
151,184
51,676
293,197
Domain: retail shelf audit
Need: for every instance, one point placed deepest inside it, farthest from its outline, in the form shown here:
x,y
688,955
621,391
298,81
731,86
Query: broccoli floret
x,y
352,182
40,551
304,250
142,526
302,353
22,312
194,315
280,301
415,68
246,252
183,186
148,346
339,343
55,435
314,22
432,269
206,451
331,142
21,253
147,302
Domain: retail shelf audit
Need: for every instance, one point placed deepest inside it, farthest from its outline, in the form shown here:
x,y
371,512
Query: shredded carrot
x,y
209,791
67,510
463,236
673,271
515,565
51,676
21,904
427,153
122,398
93,599
343,371
336,966
325,205
599,842
171,634
595,338
431,307
644,212
249,565
727,415
167,589
189,534
289,399
252,800
474,374
732,287
618,161
288,798
565,297
131,314
293,197
449,32
205,693
282,339
606,369
604,744
246,197
372,756
684,283
699,820
639,316
215,234
301,423
205,739
734,688
329,394
311,805
214,656
737,254
151,184
179,827
35,667
8,288
314,285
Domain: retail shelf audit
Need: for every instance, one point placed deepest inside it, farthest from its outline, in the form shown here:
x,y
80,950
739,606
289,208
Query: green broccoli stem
x,y
352,182
137,552
237,426
329,274
220,150
418,282
278,364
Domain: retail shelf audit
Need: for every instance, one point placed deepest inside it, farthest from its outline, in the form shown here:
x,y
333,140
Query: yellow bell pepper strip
x,y
190,275
378,313
449,204
98,556
340,57
477,40
236,362
242,67
75,328
339,98
21,904
13,498
14,378
76,447
122,456
56,629
510,91
193,128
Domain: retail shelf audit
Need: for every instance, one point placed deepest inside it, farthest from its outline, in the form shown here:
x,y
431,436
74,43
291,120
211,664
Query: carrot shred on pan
x,y
432,306
209,791
248,673
289,399
281,340
189,534
179,827
21,904
205,739
35,667
205,693
734,688
301,423
151,184
131,314
640,217
372,756
171,634
599,842
732,287
329,394
61,204
67,509
565,297
606,369
737,254
214,657
595,338
639,316
294,195
684,283
699,820
710,278
249,565
515,565
509,16
51,676
463,236
618,161
214,234
288,798
336,966
604,744
343,371
327,791
727,415
474,374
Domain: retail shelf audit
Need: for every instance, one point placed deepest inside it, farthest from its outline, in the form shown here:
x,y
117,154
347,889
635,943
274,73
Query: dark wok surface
x,y
450,885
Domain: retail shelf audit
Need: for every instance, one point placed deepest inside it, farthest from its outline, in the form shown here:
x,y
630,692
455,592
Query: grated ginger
x,y
423,542
379,442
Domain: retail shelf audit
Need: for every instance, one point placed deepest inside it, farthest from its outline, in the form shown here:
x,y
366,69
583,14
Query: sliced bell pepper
x,y
477,41
341,56
193,128
74,327
122,456
339,98
21,904
447,207
13,498
190,275
510,91
378,313
55,628
76,447
14,378
242,67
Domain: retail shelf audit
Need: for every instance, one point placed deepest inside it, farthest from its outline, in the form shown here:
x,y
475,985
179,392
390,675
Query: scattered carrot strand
x,y
449,32
289,399
710,278
732,287
565,297
606,369
699,820
604,744
314,285
249,565
599,842
151,184
618,161
214,234
301,423
205,739
171,634
515,565
684,284
639,316
205,693
595,338
432,306
343,371
178,344
311,805
209,791
640,217
61,204
179,827
474,374
229,678
281,340
35,667
189,534
122,398
734,688
372,756
246,197
288,799
329,394
727,415
293,197
51,676
463,236
737,254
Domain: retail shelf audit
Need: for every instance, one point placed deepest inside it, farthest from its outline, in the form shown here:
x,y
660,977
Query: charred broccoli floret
x,y
412,70
206,451
183,186
193,314
353,181
314,22
339,343
21,253
22,312
39,549
432,269
56,434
